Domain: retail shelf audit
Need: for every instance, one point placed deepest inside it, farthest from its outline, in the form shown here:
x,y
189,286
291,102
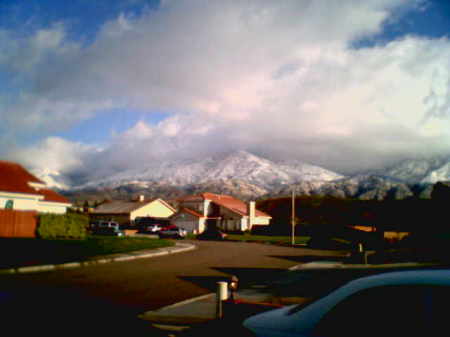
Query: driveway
x,y
113,294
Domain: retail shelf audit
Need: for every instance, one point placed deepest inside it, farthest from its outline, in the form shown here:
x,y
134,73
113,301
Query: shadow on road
x,y
251,276
205,282
310,258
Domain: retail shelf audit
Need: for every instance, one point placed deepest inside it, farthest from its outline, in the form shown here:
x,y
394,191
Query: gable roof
x,y
190,211
125,206
231,203
52,196
16,179
120,206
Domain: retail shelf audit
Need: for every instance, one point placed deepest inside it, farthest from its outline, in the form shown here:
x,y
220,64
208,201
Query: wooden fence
x,y
18,224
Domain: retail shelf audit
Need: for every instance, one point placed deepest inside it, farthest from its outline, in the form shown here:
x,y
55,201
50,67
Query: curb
x,y
341,265
179,248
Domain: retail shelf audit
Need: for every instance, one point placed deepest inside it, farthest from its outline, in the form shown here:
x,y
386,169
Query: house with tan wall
x,y
125,212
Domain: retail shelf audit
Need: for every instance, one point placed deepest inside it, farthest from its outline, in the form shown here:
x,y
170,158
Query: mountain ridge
x,y
247,175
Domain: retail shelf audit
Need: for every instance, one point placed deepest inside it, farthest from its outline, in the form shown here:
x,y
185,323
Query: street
x,y
112,295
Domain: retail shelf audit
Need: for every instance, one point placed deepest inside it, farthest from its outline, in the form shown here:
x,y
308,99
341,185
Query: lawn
x,y
267,238
16,252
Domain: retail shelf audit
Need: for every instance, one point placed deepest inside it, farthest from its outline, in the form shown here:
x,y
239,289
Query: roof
x,y
167,204
52,196
16,179
125,207
190,211
120,206
227,201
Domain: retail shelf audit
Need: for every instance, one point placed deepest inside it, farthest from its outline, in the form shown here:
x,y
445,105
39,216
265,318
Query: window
x,y
9,204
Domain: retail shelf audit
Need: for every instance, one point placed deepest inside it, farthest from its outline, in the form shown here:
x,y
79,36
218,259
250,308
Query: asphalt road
x,y
110,296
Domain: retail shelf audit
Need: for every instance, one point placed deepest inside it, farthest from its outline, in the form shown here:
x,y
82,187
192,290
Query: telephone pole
x,y
293,218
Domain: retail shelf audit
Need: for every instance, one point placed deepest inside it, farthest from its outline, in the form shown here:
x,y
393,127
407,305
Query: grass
x,y
267,238
15,252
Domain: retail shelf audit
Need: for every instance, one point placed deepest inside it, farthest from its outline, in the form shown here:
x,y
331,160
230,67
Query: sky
x,y
104,86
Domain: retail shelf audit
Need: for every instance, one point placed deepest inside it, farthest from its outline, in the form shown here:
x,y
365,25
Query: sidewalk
x,y
199,310
178,248
195,311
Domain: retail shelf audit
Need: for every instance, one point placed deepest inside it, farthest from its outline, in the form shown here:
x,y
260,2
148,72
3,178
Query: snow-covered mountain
x,y
248,176
440,174
415,171
241,166
360,186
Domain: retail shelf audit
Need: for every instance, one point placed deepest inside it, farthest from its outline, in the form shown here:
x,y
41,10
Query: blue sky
x,y
432,20
341,78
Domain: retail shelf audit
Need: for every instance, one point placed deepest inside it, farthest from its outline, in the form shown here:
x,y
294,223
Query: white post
x,y
293,218
221,295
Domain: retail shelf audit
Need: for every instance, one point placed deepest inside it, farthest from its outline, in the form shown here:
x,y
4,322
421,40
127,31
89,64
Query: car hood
x,y
285,322
272,323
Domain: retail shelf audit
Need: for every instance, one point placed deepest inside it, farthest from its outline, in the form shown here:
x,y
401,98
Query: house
x,y
124,212
225,212
20,190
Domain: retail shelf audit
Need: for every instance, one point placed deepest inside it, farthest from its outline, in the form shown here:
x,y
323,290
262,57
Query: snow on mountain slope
x,y
440,174
241,165
412,170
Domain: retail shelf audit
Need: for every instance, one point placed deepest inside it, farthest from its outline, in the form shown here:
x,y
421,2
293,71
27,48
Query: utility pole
x,y
293,218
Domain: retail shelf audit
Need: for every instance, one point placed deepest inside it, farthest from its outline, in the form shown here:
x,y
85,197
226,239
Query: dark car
x,y
212,234
108,228
393,304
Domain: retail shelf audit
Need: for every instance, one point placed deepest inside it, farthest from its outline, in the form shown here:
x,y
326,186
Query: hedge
x,y
68,226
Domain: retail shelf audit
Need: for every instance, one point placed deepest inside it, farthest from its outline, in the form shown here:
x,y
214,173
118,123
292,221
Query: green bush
x,y
69,226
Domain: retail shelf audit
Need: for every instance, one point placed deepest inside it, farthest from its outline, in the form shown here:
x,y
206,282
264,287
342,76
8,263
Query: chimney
x,y
251,214
141,198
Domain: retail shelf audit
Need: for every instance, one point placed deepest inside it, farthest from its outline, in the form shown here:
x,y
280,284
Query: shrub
x,y
68,226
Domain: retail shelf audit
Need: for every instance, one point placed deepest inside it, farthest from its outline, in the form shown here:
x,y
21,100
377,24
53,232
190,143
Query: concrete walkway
x,y
178,248
183,315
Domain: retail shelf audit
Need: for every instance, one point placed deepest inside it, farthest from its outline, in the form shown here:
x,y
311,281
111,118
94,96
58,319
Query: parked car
x,y
108,228
212,234
173,232
94,224
149,224
405,303
152,228
168,227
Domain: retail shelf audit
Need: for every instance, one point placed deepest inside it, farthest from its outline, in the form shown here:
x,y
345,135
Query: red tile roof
x,y
190,211
227,201
15,179
52,196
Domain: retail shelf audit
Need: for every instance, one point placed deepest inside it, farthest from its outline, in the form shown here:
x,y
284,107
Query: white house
x,y
20,190
219,210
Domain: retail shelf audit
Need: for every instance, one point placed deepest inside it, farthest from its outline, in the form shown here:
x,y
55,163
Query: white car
x,y
172,232
153,228
405,303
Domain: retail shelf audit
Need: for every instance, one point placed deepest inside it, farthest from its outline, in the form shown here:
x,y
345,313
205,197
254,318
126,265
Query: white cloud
x,y
278,77
53,153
